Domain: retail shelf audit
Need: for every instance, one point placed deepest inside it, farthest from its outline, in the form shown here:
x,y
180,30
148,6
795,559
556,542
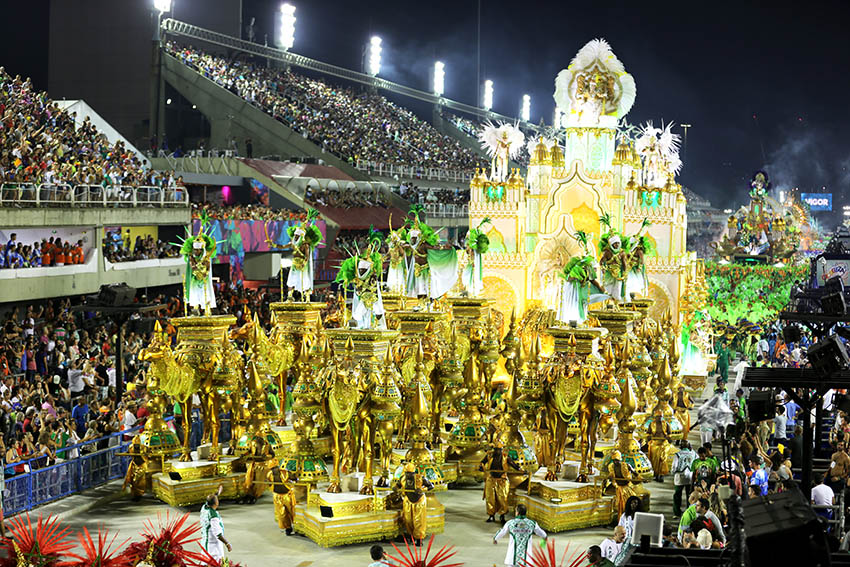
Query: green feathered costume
x,y
198,252
438,273
477,243
303,238
612,256
363,272
576,277
639,247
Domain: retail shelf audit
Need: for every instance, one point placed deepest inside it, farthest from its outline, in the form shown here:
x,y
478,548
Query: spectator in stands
x,y
245,212
839,469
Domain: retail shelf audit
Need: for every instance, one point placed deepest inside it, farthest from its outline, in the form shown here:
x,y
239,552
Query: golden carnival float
x,y
547,361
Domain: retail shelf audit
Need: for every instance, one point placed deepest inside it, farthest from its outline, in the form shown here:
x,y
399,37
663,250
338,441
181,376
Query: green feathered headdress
x,y
647,244
312,234
427,234
583,239
477,240
606,238
376,237
312,215
578,270
188,244
348,269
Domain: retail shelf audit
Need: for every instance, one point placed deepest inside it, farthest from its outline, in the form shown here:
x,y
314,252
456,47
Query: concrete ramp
x,y
82,111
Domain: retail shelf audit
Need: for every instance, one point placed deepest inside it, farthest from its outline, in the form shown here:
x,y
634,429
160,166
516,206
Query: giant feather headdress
x,y
491,135
661,141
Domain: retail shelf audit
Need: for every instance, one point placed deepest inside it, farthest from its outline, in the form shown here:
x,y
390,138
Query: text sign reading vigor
x,y
817,201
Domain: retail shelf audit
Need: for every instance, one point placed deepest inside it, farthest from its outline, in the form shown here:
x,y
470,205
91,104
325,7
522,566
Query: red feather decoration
x,y
414,557
545,557
102,553
165,544
42,545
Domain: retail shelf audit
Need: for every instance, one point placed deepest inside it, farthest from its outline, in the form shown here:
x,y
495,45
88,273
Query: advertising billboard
x,y
817,201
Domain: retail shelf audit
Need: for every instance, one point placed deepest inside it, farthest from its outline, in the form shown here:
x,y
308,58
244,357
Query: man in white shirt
x,y
130,420
763,349
520,530
739,368
212,528
610,546
822,495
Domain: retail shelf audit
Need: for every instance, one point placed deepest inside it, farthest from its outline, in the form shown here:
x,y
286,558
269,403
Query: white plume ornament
x,y
659,148
494,136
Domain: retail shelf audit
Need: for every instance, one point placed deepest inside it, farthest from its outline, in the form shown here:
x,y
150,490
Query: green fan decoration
x,y
348,269
477,240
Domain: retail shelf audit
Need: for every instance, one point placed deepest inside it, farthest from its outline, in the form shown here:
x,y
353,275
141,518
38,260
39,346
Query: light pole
x,y
374,51
287,26
439,78
525,108
488,95
685,141
156,110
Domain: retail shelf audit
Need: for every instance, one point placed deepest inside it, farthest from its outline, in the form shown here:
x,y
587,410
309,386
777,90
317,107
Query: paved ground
x,y
257,542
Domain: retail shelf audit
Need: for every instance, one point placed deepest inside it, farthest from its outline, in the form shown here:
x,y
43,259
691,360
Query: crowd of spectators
x,y
425,195
47,252
344,198
42,145
117,248
352,124
245,212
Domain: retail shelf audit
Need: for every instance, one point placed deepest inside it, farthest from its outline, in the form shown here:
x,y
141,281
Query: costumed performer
x,y
284,498
212,528
626,481
640,246
579,272
363,272
476,244
520,529
414,510
659,445
135,478
198,251
432,268
496,483
613,259
397,270
303,239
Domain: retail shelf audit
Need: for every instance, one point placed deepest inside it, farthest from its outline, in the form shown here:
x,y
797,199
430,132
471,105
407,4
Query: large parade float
x,y
548,361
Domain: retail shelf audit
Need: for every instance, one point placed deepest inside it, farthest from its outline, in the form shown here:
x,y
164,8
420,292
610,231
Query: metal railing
x,y
62,195
27,490
446,210
412,172
202,162
178,28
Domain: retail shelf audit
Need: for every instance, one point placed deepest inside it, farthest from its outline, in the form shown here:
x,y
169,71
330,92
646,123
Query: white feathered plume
x,y
661,141
491,135
531,146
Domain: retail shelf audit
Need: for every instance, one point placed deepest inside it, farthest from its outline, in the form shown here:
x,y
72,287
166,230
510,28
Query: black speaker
x,y
842,403
326,511
791,334
829,355
143,326
771,522
833,304
761,406
116,295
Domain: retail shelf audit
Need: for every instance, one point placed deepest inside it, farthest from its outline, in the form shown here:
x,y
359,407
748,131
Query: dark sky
x,y
763,84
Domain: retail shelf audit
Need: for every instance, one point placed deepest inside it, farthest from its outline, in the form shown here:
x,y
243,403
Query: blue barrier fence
x,y
27,490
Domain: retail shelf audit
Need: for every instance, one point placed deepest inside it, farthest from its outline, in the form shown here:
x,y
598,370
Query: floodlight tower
x,y
488,95
525,108
157,112
439,78
374,52
287,26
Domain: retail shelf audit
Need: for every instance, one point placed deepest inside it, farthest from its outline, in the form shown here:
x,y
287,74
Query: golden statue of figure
x,y
136,477
343,398
626,481
659,444
496,483
562,395
284,498
414,511
681,404
597,408
260,459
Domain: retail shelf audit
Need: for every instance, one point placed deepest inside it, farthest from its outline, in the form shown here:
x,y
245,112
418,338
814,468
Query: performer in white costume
x,y
576,277
303,240
432,268
502,142
198,251
640,246
212,528
477,244
612,257
397,270
363,272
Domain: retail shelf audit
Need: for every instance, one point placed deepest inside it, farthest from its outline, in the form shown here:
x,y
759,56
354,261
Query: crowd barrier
x,y
446,210
60,195
412,172
39,485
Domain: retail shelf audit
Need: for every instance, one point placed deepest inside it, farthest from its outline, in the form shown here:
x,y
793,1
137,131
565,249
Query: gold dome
x,y
540,155
478,180
515,181
635,157
557,155
622,155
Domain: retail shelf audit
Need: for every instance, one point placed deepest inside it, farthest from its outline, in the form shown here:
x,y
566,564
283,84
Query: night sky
x,y
763,86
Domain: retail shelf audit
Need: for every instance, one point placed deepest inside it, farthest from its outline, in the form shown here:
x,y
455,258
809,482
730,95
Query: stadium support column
x,y
157,114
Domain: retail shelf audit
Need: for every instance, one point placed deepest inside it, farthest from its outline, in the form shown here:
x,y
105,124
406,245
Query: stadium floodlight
x,y
439,78
525,109
782,197
287,26
374,56
556,121
488,94
162,5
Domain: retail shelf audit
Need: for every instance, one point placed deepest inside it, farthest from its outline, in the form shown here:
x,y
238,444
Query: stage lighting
x,y
525,109
439,78
488,94
556,121
162,5
374,56
287,26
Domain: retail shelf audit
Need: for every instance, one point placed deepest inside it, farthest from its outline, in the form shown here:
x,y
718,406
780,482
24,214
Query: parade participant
x,y
577,275
397,270
284,498
625,479
414,511
212,528
681,404
594,555
520,529
613,260
611,546
363,272
303,239
496,483
476,244
259,458
641,246
135,477
627,519
682,474
432,268
198,252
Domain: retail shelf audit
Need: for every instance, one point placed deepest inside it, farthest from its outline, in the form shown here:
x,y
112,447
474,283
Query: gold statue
x,y
342,400
597,409
681,404
659,445
260,460
626,481
136,477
